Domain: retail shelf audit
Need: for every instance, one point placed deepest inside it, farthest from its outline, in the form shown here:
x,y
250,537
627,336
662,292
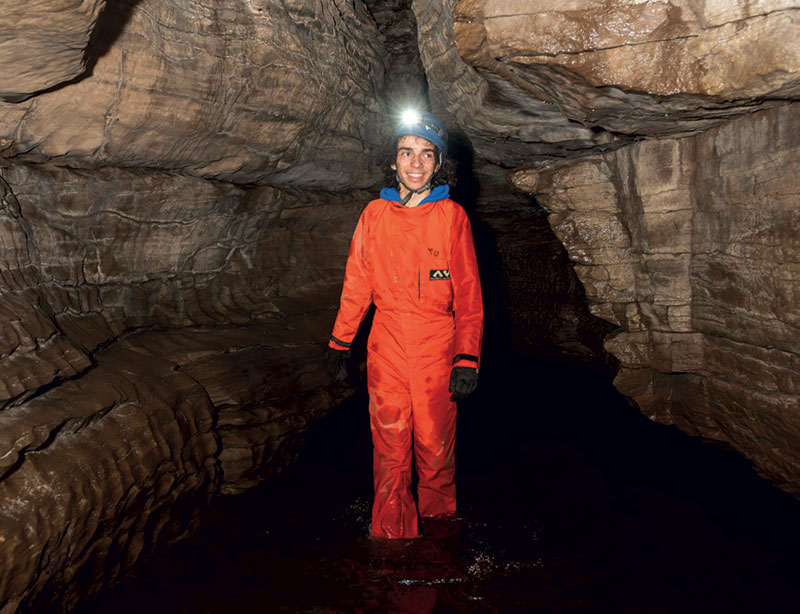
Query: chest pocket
x,y
436,287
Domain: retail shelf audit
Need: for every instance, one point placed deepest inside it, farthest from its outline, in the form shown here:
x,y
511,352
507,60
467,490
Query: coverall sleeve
x,y
467,298
356,292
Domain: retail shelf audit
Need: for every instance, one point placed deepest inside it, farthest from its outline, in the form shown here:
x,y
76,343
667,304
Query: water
x,y
570,501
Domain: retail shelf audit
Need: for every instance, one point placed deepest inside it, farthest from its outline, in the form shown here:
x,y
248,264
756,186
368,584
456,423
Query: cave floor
x,y
570,501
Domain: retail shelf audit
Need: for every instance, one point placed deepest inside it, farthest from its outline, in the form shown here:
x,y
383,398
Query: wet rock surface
x,y
662,48
44,44
161,345
686,237
91,256
690,247
405,84
100,470
529,83
533,299
285,93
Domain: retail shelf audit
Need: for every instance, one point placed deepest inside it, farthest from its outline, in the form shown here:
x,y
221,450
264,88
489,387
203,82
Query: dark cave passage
x,y
570,501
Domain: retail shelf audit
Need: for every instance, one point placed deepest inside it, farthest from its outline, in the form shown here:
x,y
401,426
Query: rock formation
x,y
44,44
691,247
179,180
660,138
190,88
578,82
174,226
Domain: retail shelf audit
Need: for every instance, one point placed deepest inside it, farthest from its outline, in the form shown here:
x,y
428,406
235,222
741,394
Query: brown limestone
x,y
691,247
216,400
529,287
43,44
33,350
106,467
178,188
285,93
90,256
164,304
733,49
527,82
98,470
405,83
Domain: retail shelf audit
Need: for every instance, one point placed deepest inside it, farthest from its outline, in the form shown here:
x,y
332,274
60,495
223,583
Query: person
x,y
413,255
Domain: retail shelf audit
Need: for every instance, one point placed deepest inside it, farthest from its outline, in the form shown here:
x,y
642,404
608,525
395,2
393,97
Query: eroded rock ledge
x,y
153,355
529,82
163,311
102,469
221,90
692,247
44,44
661,138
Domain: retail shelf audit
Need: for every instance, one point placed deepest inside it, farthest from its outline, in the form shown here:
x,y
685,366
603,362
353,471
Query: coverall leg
x,y
411,416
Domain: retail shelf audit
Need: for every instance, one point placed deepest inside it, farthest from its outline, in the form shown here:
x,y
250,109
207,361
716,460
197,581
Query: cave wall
x,y
546,102
661,139
178,186
534,303
222,90
162,341
691,246
44,44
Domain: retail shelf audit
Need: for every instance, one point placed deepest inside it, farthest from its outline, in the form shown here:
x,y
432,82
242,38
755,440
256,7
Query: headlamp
x,y
410,117
424,125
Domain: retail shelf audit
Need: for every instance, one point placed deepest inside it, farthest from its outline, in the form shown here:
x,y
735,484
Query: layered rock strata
x,y
100,470
168,266
533,301
153,356
279,93
692,247
658,136
529,82
43,44
405,84
178,185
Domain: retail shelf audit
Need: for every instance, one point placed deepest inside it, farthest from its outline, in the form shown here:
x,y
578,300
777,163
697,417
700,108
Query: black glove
x,y
336,361
463,382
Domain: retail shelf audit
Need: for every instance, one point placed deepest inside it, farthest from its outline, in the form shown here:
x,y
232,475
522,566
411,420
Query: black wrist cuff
x,y
340,342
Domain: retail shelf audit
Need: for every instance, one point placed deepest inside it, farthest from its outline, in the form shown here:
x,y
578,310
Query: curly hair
x,y
446,175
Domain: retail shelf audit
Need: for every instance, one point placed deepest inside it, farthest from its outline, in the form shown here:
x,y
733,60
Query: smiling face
x,y
415,163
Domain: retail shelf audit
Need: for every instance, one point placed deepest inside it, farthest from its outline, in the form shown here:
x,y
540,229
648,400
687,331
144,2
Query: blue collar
x,y
440,192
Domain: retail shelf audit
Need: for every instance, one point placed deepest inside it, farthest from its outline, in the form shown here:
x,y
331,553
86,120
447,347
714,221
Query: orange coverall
x,y
418,266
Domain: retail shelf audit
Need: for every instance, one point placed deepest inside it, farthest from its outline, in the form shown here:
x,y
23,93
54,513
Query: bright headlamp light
x,y
424,125
410,117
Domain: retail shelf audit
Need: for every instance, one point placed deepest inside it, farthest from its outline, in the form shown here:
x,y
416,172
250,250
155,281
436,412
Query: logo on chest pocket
x,y
439,274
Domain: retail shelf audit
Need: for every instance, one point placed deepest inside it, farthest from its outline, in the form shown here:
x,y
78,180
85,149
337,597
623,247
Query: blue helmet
x,y
425,126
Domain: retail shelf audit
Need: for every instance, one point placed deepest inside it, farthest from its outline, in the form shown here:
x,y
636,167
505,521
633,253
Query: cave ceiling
x,y
526,83
277,93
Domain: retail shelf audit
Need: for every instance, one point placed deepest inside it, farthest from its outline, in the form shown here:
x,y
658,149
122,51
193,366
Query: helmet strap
x,y
411,192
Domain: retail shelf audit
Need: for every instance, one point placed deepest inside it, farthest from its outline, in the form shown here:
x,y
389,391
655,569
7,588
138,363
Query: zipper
x,y
419,284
